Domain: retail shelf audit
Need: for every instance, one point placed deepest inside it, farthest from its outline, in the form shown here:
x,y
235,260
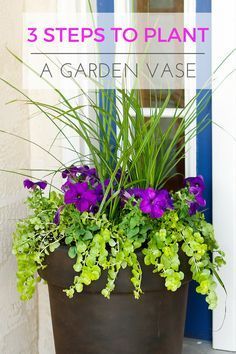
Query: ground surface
x,y
192,346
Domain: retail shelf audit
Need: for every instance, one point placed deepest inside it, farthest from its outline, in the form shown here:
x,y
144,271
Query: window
x,y
153,98
160,6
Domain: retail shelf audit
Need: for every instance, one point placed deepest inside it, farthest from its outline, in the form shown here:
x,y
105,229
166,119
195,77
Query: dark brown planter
x,y
91,324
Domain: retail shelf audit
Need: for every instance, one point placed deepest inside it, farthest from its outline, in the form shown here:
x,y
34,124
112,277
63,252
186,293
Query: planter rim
x,y
59,272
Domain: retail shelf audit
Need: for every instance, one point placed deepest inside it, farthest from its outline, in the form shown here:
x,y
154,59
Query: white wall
x,y
224,168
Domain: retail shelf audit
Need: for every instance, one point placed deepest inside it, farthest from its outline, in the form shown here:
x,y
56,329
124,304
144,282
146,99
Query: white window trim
x,y
74,6
190,90
224,168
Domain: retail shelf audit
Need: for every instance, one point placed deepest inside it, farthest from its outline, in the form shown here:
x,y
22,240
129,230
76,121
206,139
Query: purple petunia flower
x,y
81,196
32,185
155,202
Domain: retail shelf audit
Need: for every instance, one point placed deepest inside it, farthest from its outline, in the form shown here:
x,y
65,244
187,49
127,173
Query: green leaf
x,y
53,246
72,252
68,240
88,235
133,232
79,287
134,222
112,242
94,228
219,280
81,247
77,267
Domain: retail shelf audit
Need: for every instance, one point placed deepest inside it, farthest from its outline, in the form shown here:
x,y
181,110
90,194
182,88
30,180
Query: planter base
x,y
91,324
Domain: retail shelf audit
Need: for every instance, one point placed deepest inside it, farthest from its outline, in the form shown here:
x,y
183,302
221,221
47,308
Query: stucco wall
x,y
18,320
23,328
43,132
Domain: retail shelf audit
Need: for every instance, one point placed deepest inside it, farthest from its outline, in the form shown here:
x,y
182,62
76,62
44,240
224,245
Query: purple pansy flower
x,y
57,216
86,171
88,174
80,195
67,185
82,173
136,192
155,202
118,174
75,174
70,172
32,185
94,209
193,208
198,196
196,187
99,190
129,193
195,182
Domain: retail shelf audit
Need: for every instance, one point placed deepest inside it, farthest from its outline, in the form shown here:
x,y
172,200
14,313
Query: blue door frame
x,y
199,318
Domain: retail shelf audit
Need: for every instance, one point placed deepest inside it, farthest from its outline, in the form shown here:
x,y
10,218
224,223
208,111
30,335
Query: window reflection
x,y
153,98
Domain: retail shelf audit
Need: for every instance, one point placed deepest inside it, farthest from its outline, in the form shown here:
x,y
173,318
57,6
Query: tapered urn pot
x,y
91,324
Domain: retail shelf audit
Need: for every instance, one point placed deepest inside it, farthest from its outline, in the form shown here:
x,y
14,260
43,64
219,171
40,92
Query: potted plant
x,y
116,246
